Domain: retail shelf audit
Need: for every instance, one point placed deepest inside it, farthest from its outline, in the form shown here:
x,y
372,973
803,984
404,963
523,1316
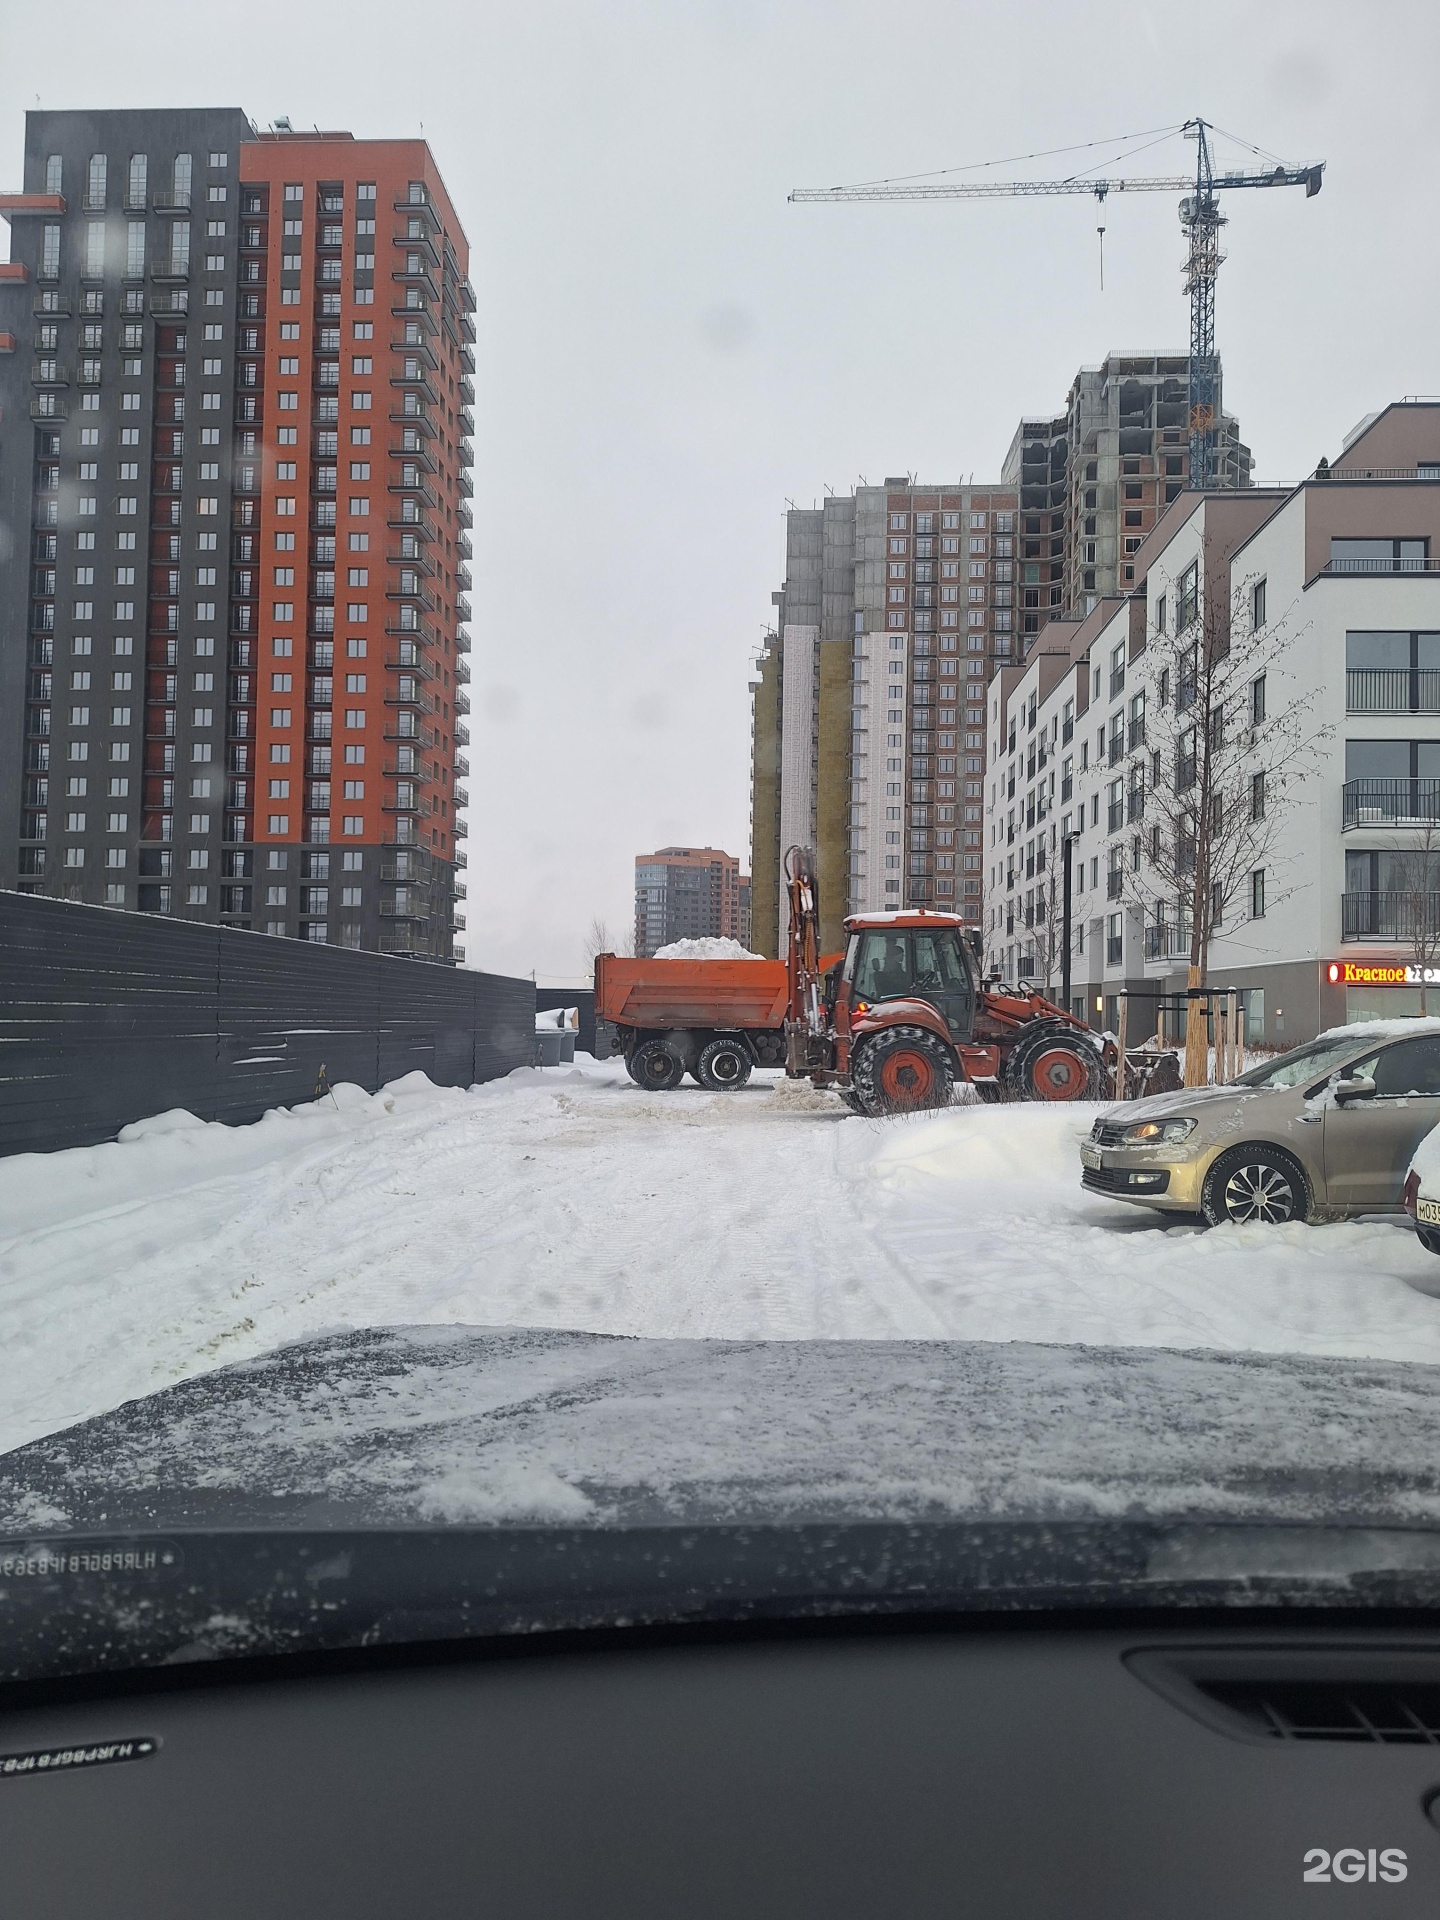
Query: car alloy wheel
x,y
1259,1191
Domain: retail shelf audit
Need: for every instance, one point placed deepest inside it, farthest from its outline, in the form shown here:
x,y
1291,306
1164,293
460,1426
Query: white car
x,y
1421,1194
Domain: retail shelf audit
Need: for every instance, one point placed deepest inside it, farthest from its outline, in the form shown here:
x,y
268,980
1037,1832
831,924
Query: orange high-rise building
x,y
355,360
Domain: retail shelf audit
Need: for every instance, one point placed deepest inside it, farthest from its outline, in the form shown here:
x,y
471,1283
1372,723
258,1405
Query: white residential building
x,y
1340,580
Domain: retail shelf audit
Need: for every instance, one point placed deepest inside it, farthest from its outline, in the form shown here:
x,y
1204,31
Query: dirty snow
x,y
570,1198
709,947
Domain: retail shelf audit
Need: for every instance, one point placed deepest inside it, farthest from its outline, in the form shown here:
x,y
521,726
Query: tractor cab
x,y
912,957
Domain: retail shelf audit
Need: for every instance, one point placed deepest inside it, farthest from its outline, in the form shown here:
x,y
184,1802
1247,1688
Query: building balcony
x,y
1418,564
418,594
1389,916
1392,690
20,206
1390,803
403,731
411,659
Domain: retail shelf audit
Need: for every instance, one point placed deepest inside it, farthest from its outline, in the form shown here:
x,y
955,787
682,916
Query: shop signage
x,y
1362,973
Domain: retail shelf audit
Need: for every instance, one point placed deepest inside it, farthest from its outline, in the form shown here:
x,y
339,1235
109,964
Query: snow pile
x,y
709,948
570,1198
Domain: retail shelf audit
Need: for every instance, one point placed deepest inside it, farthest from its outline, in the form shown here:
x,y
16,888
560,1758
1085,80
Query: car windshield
x,y
1302,1064
584,1043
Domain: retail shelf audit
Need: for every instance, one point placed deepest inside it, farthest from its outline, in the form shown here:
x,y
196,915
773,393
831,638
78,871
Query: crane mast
x,y
1200,219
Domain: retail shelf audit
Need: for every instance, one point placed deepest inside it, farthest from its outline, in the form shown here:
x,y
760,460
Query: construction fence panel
x,y
107,1017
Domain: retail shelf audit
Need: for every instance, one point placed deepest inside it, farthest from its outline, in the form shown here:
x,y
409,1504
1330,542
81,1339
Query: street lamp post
x,y
1069,855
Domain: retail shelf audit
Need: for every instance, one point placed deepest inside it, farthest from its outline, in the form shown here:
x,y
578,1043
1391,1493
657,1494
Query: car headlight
x,y
1155,1133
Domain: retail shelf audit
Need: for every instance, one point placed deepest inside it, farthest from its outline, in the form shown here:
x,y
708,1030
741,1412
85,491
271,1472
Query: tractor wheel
x,y
902,1070
990,1092
656,1066
724,1064
1052,1062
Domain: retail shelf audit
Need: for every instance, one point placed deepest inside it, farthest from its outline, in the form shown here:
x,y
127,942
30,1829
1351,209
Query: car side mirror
x,y
1347,1091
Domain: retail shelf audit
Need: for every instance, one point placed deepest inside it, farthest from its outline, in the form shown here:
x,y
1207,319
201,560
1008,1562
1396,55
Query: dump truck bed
x,y
660,994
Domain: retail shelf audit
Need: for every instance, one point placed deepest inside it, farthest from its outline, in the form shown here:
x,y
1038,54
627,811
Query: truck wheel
x,y
656,1066
1052,1064
903,1070
724,1065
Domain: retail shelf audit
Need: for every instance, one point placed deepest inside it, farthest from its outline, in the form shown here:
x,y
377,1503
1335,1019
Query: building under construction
x,y
899,604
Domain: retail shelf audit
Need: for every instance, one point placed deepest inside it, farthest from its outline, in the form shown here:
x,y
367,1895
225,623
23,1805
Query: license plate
x,y
1090,1157
1428,1211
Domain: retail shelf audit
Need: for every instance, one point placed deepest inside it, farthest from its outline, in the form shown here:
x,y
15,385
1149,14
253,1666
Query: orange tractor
x,y
892,1024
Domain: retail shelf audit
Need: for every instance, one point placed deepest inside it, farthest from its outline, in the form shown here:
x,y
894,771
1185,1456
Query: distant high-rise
x,y
687,893
234,439
869,711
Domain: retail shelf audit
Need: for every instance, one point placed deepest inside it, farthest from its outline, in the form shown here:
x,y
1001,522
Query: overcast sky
x,y
667,351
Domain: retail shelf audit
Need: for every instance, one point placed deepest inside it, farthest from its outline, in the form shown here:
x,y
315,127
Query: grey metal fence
x,y
106,1017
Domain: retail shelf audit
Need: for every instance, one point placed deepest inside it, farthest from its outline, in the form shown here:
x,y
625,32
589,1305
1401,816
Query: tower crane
x,y
1200,219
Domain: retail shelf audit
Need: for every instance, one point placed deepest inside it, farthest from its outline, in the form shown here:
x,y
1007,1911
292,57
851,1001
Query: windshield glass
x,y
1302,1064
443,758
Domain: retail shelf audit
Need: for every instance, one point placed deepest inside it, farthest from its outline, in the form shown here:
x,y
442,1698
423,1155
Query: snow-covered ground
x,y
570,1198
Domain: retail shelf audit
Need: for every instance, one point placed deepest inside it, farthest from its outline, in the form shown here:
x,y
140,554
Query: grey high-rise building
x,y
108,252
229,362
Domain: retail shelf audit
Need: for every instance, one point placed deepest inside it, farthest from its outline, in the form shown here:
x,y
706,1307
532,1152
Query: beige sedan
x,y
1323,1132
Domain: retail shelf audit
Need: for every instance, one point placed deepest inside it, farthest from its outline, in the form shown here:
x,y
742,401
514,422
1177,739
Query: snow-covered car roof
x,y
1363,1031
904,917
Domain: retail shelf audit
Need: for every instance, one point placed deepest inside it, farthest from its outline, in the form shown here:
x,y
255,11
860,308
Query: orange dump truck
x,y
715,1019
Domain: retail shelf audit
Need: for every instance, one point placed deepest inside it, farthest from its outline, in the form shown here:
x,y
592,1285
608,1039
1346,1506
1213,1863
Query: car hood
x,y
375,1488
1192,1100
462,1425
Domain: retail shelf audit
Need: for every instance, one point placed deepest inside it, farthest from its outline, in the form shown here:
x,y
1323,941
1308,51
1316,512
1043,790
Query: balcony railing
x,y
1389,916
1405,565
1167,943
1114,949
1382,803
1114,883
1136,735
1392,690
1115,816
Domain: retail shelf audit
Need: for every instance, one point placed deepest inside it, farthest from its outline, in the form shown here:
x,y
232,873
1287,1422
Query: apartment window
x,y
1187,603
1257,894
95,181
179,246
54,173
1257,699
134,249
180,181
1257,796
1257,608
50,253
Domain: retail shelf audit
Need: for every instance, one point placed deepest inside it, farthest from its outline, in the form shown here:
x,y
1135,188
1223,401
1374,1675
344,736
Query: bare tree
x,y
1216,763
597,940
1416,874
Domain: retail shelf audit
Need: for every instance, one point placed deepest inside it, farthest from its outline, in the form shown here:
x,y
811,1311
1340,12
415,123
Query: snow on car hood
x,y
458,1425
1184,1100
